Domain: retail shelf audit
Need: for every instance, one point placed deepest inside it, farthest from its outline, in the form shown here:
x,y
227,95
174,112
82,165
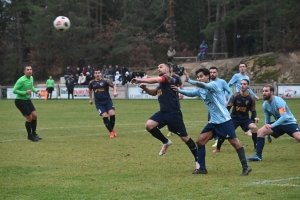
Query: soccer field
x,y
76,159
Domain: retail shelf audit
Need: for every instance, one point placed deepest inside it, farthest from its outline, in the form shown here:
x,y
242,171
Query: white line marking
x,y
270,182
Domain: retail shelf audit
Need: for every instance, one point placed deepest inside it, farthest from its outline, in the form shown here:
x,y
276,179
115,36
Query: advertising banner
x,y
289,91
11,95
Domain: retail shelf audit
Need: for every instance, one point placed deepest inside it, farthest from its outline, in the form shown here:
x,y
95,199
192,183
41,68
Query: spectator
x,y
250,43
202,50
50,87
90,70
81,63
124,70
78,70
76,77
89,77
145,75
171,53
239,45
117,69
70,86
82,79
84,70
69,71
126,78
110,73
117,78
103,71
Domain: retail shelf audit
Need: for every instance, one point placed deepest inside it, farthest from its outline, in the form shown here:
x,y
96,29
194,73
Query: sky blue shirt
x,y
225,88
236,80
272,109
213,98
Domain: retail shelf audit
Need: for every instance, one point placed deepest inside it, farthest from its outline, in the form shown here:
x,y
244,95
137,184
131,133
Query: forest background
x,y
136,33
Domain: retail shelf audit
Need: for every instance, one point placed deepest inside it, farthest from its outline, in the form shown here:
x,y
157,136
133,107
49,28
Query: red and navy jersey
x,y
101,89
242,104
168,99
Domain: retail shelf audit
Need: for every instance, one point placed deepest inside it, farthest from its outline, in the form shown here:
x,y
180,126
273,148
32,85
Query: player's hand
x,y
186,75
257,98
181,96
134,80
39,93
175,88
91,102
268,126
115,94
256,119
143,86
28,91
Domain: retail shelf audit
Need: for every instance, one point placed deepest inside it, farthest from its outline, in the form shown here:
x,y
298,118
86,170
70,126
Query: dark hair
x,y
246,81
204,71
97,69
26,66
243,64
271,87
213,67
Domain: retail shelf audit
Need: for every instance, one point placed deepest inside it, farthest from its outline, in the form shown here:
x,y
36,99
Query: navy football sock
x,y
158,135
107,124
28,127
242,157
33,126
192,146
112,120
254,139
220,142
260,146
201,156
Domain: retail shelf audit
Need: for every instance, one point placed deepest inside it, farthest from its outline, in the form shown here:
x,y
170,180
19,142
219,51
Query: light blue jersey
x,y
236,80
213,98
274,108
225,88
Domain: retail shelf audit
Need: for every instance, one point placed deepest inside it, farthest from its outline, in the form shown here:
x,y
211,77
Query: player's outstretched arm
x,y
147,80
150,91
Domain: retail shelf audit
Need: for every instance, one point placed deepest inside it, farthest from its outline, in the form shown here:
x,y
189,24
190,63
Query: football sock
x,y
33,126
260,146
242,157
107,124
254,139
112,120
201,156
220,142
28,127
158,135
192,146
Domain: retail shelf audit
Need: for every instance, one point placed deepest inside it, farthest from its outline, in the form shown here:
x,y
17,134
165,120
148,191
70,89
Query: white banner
x,y
11,95
138,93
289,91
79,93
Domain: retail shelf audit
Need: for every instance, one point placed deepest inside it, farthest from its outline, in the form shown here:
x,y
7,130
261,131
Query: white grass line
x,y
271,182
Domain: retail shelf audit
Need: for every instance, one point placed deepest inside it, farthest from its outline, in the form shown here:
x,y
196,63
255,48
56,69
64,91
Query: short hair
x,y
97,69
213,67
26,66
204,71
272,89
246,81
243,64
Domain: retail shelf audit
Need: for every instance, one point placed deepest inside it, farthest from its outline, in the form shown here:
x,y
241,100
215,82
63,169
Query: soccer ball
x,y
61,23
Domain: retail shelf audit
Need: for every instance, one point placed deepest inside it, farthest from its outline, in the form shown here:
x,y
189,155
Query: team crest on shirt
x,y
101,84
159,92
246,102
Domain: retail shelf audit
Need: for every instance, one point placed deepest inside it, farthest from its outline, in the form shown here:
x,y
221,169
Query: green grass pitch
x,y
77,160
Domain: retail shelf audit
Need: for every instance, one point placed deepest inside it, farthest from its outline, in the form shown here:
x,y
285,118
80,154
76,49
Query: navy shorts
x,y
225,130
25,106
173,120
104,108
50,89
282,129
243,123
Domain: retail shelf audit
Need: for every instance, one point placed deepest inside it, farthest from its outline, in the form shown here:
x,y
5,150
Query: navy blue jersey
x,y
168,99
241,105
101,90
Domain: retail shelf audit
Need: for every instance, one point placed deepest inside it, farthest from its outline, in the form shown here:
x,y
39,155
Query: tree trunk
x,y
208,11
223,29
19,39
265,34
216,31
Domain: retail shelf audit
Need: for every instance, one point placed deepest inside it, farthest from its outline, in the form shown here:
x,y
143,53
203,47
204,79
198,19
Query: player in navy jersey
x,y
285,121
103,102
242,102
220,122
170,113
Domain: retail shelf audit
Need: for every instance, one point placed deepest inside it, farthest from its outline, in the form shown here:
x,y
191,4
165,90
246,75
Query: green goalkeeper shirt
x,y
22,85
50,83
